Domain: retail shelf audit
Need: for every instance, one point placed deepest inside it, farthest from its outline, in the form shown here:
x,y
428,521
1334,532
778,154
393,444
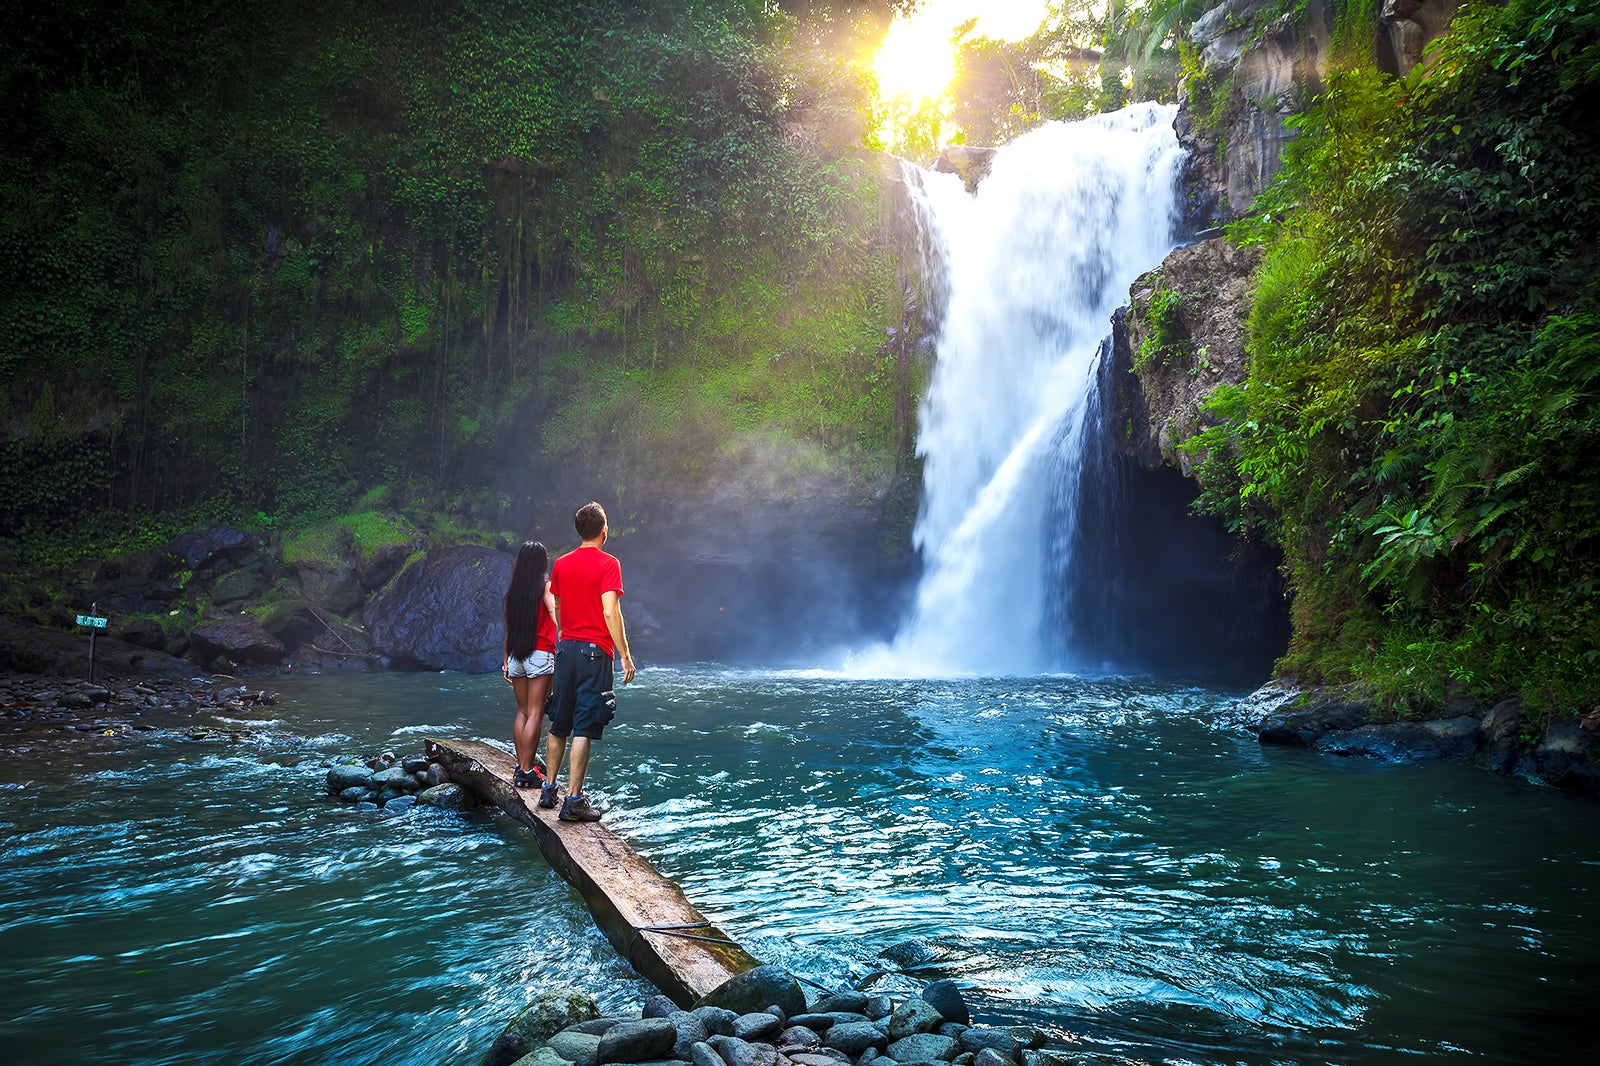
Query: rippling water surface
x,y
1092,856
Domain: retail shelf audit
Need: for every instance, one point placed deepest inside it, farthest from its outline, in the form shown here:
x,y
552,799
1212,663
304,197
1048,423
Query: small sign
x,y
91,621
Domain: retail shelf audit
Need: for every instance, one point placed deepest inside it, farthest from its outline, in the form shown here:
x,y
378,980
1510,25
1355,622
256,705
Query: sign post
x,y
96,622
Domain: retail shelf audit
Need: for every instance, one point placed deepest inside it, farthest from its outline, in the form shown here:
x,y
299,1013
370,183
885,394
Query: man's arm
x,y
611,605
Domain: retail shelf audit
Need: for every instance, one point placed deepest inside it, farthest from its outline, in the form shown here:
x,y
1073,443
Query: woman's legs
x,y
530,693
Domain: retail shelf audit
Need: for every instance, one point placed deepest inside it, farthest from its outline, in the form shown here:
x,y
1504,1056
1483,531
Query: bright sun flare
x,y
917,61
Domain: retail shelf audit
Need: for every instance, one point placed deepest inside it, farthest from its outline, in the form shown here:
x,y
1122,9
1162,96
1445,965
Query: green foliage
x,y
258,258
1422,401
1165,337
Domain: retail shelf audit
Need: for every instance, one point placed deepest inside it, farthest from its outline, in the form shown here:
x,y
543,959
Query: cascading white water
x,y
1033,265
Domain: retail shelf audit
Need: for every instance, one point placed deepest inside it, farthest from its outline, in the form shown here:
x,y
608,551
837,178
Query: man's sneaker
x,y
528,778
547,796
577,809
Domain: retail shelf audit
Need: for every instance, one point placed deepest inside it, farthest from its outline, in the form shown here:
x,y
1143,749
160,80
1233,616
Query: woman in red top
x,y
530,655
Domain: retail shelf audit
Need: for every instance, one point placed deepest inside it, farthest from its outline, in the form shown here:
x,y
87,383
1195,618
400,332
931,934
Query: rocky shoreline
x,y
933,1027
1561,750
38,711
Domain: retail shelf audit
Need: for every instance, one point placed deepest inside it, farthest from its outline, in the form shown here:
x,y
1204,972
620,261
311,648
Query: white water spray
x,y
1033,266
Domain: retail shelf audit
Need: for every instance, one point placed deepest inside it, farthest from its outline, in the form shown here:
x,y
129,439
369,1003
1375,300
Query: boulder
x,y
637,1041
945,997
444,612
335,588
547,1014
736,1052
449,797
239,640
200,548
235,585
756,1026
756,989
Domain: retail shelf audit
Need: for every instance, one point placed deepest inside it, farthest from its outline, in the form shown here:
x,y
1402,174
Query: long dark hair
x,y
525,599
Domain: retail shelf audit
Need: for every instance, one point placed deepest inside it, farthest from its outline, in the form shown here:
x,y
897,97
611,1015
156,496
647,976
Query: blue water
x,y
1091,856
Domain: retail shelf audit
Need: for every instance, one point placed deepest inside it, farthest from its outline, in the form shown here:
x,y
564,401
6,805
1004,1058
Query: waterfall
x,y
1030,268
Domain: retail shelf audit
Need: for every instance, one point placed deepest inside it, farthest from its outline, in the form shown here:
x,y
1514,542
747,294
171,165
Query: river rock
x,y
756,1026
798,1036
703,1054
443,613
394,777
637,1041
852,1002
577,1048
853,1038
945,997
754,989
736,1052
820,1022
347,775
978,1038
717,1020
923,1047
398,806
913,1016
448,796
991,1057
543,1056
239,640
659,1007
691,1030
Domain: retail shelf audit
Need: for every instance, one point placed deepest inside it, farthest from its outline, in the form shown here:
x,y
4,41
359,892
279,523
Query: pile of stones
x,y
393,784
931,1028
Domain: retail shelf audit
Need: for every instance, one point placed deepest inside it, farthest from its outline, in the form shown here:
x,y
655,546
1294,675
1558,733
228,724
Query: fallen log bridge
x,y
645,916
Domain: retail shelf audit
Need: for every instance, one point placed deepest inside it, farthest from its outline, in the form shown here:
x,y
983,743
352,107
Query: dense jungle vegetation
x,y
1422,411
267,262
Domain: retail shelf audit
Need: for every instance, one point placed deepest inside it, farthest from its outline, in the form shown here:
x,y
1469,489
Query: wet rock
x,y
913,1016
923,1047
945,997
543,1056
577,1048
336,589
717,1020
1567,756
820,1022
1454,738
990,1057
443,613
754,989
703,1054
852,1002
798,1036
398,806
1501,744
236,585
239,640
756,1026
853,1038
980,1038
448,796
736,1052
348,775
691,1030
640,1041
200,548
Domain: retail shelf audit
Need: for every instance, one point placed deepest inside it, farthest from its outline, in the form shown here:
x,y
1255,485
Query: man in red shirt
x,y
587,585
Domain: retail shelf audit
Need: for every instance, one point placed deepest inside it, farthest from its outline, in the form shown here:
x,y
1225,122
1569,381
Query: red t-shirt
x,y
578,579
544,638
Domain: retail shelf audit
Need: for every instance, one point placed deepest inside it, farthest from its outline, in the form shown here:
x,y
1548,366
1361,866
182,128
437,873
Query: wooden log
x,y
645,916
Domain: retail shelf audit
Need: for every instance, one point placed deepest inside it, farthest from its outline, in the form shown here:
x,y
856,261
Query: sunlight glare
x,y
917,60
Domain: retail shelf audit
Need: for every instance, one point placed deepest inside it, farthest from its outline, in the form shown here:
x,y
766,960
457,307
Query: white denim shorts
x,y
538,664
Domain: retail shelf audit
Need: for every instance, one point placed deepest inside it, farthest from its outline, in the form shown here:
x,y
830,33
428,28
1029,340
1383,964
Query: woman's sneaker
x,y
577,809
528,778
547,796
